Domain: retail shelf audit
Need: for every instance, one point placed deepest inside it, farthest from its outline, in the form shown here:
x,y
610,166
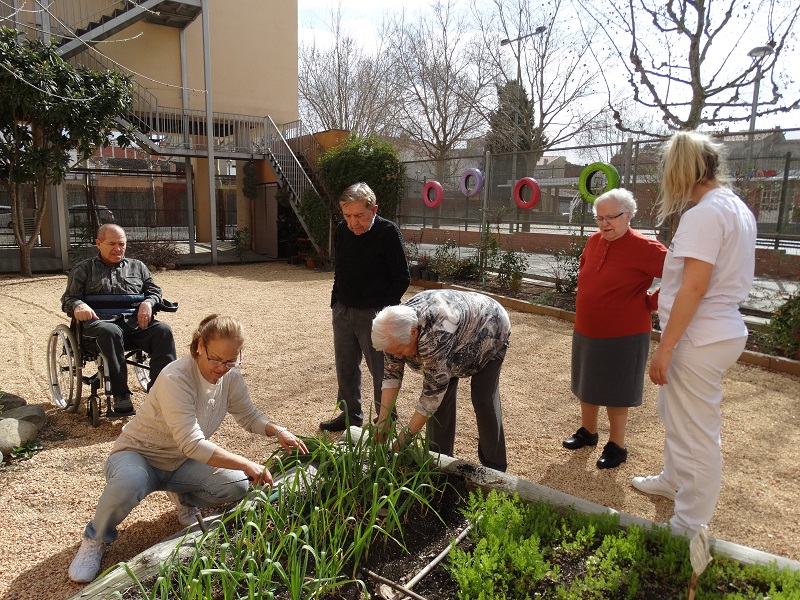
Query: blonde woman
x,y
166,445
708,271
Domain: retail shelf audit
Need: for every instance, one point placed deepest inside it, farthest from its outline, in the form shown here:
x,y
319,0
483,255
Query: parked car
x,y
79,215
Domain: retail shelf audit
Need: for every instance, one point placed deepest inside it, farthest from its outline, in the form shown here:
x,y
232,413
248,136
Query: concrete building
x,y
216,86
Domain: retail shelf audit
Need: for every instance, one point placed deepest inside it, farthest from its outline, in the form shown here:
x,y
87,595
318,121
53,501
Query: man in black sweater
x,y
371,273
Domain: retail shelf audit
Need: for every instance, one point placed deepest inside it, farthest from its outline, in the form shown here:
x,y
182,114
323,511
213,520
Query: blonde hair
x,y
688,158
217,326
358,192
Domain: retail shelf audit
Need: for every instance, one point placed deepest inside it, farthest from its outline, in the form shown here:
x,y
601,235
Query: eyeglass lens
x,y
229,364
609,219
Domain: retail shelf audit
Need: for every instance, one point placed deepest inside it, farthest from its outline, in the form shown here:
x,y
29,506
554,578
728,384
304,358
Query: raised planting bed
x,y
353,521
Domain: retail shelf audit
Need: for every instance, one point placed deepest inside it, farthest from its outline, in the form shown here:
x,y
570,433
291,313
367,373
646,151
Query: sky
x,y
362,18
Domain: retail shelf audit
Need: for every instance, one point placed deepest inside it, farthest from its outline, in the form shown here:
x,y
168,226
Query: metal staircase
x,y
76,26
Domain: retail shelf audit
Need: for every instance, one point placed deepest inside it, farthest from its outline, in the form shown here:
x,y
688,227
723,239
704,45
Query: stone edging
x,y
489,479
776,364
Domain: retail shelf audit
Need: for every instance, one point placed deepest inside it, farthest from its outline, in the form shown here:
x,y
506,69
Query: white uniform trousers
x,y
689,408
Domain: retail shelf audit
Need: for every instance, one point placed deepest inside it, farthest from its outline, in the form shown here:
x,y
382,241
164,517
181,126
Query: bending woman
x,y
165,447
707,273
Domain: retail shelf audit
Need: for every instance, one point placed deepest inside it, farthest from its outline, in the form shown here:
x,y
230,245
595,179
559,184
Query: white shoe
x,y
187,515
86,564
653,484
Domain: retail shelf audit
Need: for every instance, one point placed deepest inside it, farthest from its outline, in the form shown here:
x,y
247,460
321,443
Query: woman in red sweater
x,y
611,338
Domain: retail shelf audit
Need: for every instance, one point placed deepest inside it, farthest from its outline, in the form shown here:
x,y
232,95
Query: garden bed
x,y
550,544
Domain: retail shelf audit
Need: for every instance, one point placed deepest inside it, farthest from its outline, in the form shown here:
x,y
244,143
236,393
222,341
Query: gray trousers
x,y
129,478
485,392
352,339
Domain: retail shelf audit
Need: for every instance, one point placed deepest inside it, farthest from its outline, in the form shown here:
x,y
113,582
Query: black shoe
x,y
340,423
394,418
581,438
123,404
613,456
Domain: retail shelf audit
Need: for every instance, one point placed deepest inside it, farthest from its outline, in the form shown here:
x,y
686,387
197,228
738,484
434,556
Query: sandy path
x,y
46,501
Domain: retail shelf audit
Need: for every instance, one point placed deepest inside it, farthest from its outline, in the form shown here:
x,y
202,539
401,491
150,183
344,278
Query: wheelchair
x,y
68,358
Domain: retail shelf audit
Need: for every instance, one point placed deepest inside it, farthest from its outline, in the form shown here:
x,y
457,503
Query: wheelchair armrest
x,y
166,306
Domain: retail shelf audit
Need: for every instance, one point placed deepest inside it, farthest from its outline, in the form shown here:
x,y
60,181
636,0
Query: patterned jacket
x,y
459,333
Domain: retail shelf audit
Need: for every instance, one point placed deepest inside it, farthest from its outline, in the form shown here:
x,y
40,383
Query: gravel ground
x,y
47,500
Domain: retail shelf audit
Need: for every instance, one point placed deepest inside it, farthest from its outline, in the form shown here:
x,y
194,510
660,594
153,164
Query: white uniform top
x,y
720,230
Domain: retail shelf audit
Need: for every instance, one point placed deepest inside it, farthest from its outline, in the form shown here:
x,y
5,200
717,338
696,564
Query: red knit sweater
x,y
613,280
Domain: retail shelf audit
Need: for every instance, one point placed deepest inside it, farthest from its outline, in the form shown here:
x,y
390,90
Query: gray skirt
x,y
609,371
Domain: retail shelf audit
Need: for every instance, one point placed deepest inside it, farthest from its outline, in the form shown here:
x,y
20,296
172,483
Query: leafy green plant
x,y
445,259
250,180
308,538
566,265
518,551
27,450
783,335
370,160
411,249
317,216
241,242
487,254
510,269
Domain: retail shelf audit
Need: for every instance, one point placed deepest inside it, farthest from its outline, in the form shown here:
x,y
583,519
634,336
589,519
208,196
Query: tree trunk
x,y
25,261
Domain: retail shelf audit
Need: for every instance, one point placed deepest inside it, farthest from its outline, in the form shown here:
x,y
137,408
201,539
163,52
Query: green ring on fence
x,y
612,176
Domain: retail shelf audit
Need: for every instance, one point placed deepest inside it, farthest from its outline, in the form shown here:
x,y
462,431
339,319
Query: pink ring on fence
x,y
536,193
438,194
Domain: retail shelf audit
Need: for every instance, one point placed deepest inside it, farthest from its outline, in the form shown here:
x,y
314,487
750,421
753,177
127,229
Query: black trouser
x,y
112,338
485,392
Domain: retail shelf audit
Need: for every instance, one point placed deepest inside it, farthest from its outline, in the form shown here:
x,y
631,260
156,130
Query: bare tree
x,y
447,87
688,59
342,86
530,43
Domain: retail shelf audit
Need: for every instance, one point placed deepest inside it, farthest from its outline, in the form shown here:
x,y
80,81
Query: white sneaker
x,y
653,484
187,515
86,564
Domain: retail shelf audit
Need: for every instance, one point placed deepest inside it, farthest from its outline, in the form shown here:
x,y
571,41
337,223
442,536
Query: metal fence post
x,y
784,194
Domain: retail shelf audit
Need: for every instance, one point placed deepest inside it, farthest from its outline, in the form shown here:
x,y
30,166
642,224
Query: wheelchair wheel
x,y
64,368
93,410
142,368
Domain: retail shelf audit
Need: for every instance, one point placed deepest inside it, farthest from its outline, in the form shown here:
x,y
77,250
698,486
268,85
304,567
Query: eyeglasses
x,y
608,219
228,364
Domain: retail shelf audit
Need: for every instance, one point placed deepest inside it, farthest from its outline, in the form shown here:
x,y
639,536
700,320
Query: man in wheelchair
x,y
109,327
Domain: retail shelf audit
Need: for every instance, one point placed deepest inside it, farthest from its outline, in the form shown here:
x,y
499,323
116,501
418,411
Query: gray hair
x,y
622,196
358,192
393,325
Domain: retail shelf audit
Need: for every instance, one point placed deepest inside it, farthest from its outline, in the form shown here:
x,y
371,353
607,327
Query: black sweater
x,y
371,269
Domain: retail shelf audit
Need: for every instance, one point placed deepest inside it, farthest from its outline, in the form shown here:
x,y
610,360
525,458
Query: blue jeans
x,y
129,478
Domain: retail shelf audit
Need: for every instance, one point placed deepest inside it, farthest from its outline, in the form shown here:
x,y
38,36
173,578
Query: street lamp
x,y
505,42
757,54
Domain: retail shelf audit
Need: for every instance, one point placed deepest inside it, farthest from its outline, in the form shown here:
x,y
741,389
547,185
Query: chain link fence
x,y
764,169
